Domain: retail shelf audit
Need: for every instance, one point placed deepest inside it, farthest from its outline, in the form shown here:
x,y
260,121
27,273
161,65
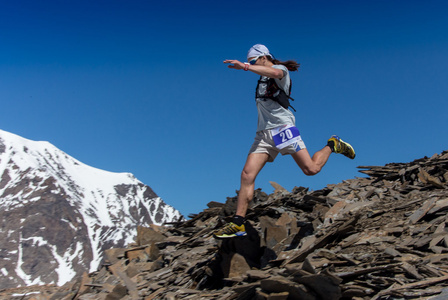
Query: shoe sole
x,y
229,236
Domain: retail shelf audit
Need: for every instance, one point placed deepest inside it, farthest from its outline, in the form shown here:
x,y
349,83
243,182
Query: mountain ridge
x,y
60,212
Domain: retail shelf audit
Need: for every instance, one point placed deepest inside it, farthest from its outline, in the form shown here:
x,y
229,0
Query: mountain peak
x,y
59,214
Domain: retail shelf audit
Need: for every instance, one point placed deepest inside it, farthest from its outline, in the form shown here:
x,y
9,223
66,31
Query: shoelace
x,y
229,229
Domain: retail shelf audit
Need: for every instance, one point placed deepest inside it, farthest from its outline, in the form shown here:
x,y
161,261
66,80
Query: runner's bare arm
x,y
260,70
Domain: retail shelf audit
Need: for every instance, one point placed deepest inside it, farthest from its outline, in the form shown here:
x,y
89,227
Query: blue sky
x,y
140,87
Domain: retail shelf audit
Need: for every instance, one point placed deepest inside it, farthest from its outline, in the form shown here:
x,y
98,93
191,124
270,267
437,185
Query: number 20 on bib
x,y
285,135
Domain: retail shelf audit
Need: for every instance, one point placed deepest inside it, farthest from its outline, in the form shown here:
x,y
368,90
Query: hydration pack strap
x,y
274,92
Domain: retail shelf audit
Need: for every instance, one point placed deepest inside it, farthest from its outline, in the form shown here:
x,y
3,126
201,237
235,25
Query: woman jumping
x,y
276,131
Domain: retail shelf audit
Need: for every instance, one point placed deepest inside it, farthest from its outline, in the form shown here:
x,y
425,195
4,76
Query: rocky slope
x,y
380,237
58,214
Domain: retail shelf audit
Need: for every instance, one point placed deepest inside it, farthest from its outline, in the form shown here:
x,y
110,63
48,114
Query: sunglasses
x,y
254,60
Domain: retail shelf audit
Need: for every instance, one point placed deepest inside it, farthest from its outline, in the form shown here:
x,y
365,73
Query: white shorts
x,y
264,143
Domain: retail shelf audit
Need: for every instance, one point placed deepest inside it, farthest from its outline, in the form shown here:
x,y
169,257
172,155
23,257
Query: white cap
x,y
258,50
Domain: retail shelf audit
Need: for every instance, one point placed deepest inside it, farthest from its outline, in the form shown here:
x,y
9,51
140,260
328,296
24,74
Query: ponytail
x,y
291,65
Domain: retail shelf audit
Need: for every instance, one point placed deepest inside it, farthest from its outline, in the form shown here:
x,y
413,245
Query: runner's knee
x,y
247,177
310,171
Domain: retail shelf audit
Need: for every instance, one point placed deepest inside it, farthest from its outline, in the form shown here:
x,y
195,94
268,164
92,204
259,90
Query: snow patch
x,y
19,271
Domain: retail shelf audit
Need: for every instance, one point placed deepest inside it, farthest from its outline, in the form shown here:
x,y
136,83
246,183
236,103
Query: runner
x,y
276,131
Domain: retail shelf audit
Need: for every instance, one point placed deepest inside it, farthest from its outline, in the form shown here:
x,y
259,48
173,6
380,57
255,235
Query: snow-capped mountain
x,y
57,214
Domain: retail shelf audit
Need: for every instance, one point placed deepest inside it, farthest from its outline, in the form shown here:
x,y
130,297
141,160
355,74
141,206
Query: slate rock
x,y
281,284
326,287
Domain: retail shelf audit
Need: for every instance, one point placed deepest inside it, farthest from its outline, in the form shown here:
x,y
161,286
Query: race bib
x,y
285,135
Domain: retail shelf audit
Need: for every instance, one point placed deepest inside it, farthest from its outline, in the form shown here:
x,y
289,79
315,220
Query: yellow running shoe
x,y
229,231
342,147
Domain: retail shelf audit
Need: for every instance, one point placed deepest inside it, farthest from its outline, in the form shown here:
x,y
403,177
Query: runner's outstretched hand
x,y
234,64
